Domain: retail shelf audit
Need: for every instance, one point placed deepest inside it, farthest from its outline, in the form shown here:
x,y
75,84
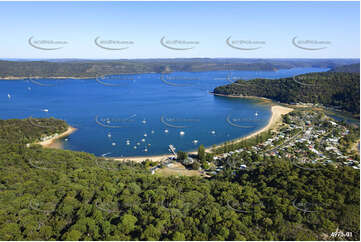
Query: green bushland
x,y
331,89
48,194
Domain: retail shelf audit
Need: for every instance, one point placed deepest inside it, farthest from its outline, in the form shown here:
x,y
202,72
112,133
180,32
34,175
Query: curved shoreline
x,y
276,113
242,96
49,142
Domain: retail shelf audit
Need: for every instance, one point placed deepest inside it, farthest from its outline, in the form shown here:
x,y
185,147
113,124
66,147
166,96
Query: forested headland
x,y
29,130
338,90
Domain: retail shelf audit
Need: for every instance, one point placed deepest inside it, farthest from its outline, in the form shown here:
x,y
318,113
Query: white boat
x,y
45,110
105,154
9,96
181,133
256,114
166,131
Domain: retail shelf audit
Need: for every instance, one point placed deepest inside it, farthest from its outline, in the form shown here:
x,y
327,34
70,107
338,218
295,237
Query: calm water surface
x,y
136,115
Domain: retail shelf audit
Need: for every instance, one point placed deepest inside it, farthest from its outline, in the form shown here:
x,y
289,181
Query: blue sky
x,y
274,24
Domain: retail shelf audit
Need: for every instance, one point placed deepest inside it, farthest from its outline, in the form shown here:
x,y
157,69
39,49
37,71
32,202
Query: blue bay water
x,y
137,115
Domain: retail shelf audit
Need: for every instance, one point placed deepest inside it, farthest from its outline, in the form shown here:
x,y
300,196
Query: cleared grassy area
x,y
177,169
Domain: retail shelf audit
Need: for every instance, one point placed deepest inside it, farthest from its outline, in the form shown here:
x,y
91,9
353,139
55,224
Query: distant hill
x,y
336,89
353,68
78,68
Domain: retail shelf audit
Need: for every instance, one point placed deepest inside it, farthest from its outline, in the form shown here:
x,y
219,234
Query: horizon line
x,y
180,58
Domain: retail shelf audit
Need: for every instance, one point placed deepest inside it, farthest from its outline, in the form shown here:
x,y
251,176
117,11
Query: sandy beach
x,y
142,158
48,143
277,112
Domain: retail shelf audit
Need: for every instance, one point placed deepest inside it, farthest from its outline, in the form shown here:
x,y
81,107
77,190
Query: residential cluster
x,y
305,137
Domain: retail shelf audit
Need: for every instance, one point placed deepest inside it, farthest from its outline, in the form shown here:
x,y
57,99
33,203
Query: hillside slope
x,y
339,90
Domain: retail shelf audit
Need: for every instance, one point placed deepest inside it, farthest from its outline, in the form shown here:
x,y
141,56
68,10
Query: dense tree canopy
x,y
29,130
64,195
340,90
